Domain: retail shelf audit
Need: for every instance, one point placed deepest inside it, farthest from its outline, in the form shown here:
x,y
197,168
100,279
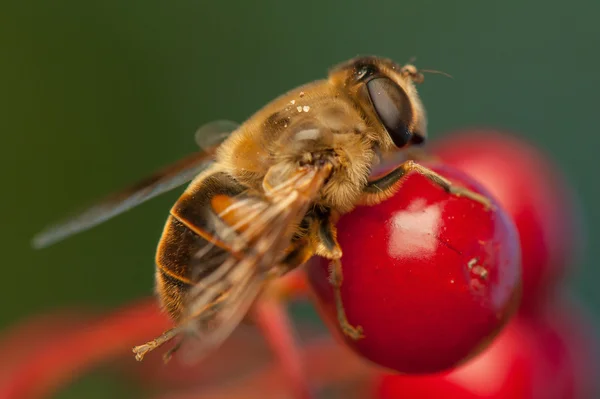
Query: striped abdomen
x,y
191,247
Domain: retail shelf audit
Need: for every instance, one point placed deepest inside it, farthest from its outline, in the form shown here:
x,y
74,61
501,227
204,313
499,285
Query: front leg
x,y
383,188
324,233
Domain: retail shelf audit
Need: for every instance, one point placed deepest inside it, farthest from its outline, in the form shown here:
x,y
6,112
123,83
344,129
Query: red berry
x,y
429,276
533,358
532,191
574,330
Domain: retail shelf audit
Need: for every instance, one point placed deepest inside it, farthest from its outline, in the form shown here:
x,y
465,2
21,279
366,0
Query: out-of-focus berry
x,y
533,192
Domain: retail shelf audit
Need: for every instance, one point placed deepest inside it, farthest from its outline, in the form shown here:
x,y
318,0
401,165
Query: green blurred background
x,y
97,94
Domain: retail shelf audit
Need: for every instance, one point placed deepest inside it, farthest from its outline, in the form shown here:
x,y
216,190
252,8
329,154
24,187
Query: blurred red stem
x,y
73,353
273,320
328,364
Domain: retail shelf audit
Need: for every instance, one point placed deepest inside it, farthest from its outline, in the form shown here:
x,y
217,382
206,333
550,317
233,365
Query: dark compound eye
x,y
393,108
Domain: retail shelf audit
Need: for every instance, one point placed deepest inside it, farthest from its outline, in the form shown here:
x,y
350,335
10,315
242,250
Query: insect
x,y
266,196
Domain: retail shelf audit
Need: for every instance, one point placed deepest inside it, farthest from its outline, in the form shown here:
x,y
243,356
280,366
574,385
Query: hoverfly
x,y
265,198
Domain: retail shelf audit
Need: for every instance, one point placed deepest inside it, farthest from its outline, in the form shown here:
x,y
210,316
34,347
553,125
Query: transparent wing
x,y
160,182
217,303
209,137
214,133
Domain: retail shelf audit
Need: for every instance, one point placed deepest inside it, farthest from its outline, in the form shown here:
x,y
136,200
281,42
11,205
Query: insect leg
x,y
384,187
141,350
335,278
328,247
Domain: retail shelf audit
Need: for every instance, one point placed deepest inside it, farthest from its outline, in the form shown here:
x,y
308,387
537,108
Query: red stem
x,y
273,320
77,347
328,365
71,354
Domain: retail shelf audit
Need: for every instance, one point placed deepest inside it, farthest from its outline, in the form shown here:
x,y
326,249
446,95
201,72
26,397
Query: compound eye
x,y
393,109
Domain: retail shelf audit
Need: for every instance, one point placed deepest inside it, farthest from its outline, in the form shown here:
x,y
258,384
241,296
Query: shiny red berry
x,y
532,191
429,276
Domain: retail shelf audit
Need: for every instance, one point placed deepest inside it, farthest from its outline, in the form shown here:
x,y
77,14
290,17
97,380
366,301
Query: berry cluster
x,y
459,301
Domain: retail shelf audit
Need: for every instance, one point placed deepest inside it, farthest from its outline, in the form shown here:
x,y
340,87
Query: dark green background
x,y
96,94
